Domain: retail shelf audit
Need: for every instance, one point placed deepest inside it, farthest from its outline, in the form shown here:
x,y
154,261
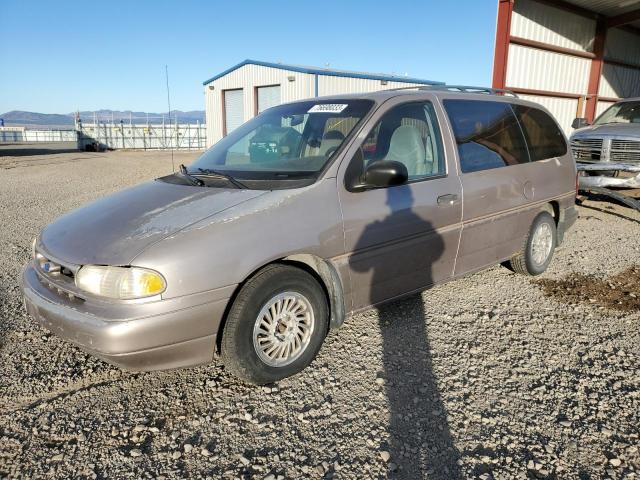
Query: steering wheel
x,y
330,151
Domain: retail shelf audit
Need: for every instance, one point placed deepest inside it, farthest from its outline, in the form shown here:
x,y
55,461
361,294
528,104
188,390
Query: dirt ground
x,y
495,375
620,291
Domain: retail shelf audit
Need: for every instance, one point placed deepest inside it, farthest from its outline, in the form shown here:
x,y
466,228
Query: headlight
x,y
123,283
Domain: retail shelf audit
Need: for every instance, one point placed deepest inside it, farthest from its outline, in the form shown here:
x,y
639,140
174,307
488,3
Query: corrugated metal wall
x,y
332,85
540,70
547,24
23,135
536,69
622,45
617,81
548,59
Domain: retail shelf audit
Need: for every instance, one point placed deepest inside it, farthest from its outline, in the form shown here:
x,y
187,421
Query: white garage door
x,y
268,97
233,109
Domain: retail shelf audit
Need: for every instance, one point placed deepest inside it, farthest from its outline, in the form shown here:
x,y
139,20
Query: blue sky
x,y
59,56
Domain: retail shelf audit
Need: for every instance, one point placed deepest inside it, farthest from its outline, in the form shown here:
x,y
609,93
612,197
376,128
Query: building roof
x,y
326,71
616,12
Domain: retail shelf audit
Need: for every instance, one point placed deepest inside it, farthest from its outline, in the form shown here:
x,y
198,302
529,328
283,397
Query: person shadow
x,y
420,441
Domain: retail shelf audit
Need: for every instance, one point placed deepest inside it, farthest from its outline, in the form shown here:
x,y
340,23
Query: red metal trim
x,y
255,101
224,114
501,54
596,69
630,29
623,19
525,42
550,93
544,93
609,99
619,63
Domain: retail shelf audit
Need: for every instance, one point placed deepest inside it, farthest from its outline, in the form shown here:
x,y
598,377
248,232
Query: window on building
x,y
267,97
487,134
233,109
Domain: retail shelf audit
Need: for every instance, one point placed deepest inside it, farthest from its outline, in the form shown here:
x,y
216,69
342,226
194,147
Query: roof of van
x,y
438,90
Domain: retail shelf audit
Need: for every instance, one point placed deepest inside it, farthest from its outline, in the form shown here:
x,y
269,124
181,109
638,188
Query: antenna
x,y
166,73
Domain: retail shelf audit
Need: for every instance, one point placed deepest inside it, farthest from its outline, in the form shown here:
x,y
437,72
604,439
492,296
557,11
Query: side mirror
x,y
385,173
579,123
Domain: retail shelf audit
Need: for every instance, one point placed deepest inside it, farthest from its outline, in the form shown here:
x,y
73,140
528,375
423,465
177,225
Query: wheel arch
x,y
553,208
322,270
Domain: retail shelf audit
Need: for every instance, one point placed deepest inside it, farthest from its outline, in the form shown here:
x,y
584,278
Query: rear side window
x,y
487,134
544,138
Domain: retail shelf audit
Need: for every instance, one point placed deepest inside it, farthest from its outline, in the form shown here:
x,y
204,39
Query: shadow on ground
x,y
27,149
421,442
421,445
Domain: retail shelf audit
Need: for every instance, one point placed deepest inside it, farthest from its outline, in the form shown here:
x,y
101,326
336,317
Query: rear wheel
x,y
537,250
275,326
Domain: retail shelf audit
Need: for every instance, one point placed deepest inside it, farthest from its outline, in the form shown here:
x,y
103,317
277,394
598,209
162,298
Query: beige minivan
x,y
306,214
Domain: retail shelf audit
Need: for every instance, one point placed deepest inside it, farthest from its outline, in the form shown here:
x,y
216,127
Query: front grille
x,y
587,149
625,151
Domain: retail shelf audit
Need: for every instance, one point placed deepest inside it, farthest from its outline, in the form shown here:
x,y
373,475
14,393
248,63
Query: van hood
x,y
116,229
608,130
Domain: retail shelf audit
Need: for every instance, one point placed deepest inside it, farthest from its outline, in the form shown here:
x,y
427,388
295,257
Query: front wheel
x,y
275,326
538,248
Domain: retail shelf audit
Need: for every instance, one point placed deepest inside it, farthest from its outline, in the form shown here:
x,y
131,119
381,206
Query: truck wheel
x,y
539,245
276,325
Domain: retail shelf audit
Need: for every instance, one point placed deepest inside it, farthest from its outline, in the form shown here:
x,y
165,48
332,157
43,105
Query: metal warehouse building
x,y
241,92
575,57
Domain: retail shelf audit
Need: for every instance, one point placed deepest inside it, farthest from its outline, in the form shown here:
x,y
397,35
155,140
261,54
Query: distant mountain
x,y
17,118
20,118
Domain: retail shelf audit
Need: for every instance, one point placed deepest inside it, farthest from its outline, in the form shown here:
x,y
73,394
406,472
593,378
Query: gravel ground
x,y
485,377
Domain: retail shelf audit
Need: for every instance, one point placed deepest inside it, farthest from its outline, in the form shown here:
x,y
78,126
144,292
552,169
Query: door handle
x,y
448,199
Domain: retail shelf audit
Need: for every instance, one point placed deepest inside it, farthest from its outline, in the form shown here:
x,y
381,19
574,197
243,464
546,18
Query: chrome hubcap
x,y
283,329
541,244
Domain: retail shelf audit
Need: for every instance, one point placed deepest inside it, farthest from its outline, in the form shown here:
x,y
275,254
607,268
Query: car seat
x,y
406,146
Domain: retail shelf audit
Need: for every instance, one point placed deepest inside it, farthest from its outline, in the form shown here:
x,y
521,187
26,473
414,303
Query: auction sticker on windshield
x,y
328,108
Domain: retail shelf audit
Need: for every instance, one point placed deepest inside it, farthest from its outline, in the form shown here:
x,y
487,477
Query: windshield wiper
x,y
215,173
188,177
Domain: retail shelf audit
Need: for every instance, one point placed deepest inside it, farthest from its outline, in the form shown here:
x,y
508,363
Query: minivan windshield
x,y
623,112
287,142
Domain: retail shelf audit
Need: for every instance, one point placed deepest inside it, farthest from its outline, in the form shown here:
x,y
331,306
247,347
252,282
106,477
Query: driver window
x,y
409,134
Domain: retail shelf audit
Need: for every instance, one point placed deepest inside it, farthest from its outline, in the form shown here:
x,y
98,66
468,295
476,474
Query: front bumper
x,y
630,181
160,335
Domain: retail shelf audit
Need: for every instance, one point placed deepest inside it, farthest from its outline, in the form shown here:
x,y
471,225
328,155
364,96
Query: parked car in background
x,y
306,214
608,152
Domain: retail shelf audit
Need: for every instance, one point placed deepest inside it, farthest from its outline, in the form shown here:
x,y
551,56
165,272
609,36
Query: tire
x,y
304,326
535,256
